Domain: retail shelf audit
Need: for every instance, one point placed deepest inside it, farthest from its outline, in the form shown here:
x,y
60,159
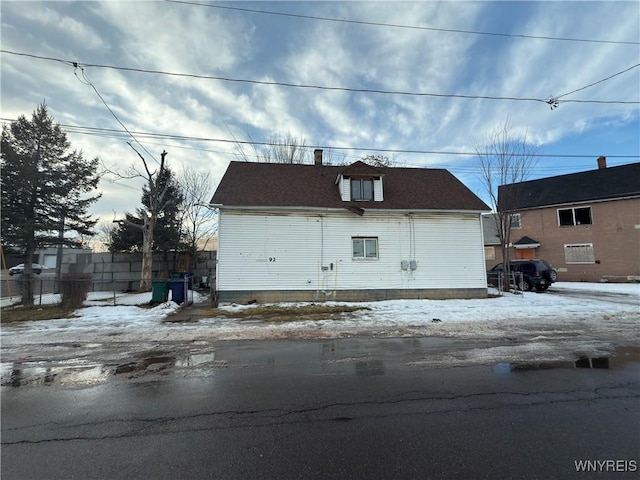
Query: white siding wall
x,y
345,189
288,252
378,194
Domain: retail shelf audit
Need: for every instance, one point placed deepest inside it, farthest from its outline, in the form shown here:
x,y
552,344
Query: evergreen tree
x,y
45,188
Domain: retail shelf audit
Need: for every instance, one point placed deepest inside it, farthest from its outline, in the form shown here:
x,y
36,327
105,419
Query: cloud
x,y
208,41
58,25
172,37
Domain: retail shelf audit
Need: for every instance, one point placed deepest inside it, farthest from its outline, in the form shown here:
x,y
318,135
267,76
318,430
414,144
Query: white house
x,y
291,232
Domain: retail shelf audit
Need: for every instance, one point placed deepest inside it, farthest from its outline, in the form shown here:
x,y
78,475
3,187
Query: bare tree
x,y
378,160
505,158
333,157
156,188
284,148
281,148
104,236
199,221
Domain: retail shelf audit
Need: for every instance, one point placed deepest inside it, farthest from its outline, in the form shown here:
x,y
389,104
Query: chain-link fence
x,y
516,282
50,290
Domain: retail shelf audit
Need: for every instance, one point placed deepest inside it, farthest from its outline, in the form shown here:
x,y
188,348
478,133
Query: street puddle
x,y
621,357
194,359
153,363
81,372
20,374
370,368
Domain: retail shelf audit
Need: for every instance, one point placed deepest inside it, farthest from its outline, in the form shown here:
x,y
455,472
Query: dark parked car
x,y
529,274
35,268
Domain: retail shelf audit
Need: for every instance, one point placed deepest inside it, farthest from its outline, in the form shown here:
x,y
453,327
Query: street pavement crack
x,y
234,419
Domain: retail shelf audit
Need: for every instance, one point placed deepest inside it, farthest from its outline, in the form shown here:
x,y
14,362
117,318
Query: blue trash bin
x,y
177,290
187,275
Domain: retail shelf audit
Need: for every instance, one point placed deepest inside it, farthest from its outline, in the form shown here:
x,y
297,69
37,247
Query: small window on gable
x,y
362,189
365,247
568,217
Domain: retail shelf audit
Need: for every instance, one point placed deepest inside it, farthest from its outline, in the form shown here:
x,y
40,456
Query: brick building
x,y
587,224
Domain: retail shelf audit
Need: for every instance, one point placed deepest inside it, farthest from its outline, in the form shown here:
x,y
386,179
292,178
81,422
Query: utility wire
x,y
599,81
394,25
554,101
85,80
163,136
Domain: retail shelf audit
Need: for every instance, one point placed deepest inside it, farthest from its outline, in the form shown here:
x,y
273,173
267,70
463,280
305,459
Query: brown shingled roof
x,y
360,168
294,185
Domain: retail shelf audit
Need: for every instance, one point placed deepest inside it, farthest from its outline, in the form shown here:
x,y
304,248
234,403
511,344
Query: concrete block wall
x,y
121,271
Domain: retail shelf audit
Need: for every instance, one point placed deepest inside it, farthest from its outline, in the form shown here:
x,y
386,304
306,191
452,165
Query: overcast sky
x,y
232,44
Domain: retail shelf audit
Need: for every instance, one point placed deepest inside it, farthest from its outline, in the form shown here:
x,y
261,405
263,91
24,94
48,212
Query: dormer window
x,y
362,189
360,182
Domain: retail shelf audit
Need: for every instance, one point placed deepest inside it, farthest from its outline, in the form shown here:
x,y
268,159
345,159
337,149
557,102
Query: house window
x,y
489,253
361,189
365,247
579,253
568,217
516,221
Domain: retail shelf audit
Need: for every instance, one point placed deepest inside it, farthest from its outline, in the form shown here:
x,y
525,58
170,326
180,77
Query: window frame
x,y
365,250
578,245
360,181
489,252
513,223
574,217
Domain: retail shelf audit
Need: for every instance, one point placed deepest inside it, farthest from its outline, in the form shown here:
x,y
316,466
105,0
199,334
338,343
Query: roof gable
x,y
248,184
594,185
361,168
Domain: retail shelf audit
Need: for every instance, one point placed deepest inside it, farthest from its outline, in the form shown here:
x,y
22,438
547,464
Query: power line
x,y
165,136
599,81
412,27
554,101
85,80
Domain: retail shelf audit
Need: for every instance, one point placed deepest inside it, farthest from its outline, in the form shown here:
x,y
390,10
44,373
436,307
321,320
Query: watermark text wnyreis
x,y
606,465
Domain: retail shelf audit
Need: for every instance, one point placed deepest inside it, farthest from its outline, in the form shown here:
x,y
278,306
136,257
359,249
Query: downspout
x,y
321,241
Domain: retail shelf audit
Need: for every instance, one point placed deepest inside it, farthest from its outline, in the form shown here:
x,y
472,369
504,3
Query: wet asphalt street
x,y
350,408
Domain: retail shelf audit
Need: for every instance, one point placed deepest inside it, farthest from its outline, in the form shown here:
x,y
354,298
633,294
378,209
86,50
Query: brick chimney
x,y
317,157
602,162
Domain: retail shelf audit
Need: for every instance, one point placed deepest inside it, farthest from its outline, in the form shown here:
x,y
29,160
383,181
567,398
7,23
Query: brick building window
x,y
579,253
489,253
568,217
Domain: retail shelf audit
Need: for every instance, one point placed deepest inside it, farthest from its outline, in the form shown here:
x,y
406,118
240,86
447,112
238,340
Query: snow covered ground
x,y
569,320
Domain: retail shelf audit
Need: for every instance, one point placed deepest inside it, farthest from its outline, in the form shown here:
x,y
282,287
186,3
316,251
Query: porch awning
x,y
526,242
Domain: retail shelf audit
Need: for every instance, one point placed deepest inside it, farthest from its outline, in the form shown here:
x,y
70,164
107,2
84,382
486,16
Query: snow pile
x,y
567,310
555,312
566,322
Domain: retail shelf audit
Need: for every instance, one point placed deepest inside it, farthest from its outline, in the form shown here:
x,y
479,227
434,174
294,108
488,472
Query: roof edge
x,y
332,209
581,202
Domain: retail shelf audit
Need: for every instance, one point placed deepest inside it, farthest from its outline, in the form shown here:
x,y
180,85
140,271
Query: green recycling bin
x,y
159,291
